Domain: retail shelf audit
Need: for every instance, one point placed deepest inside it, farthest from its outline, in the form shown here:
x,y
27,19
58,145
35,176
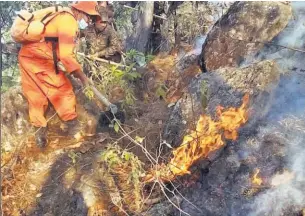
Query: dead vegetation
x,y
117,171
130,169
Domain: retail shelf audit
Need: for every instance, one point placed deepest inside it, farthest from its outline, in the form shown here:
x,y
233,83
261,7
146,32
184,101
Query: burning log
x,y
208,137
225,86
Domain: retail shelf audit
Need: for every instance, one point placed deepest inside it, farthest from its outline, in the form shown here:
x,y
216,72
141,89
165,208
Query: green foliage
x,y
126,73
149,58
10,78
126,155
122,20
110,156
7,10
115,157
133,55
89,92
161,91
129,97
116,127
37,5
73,156
118,74
132,76
125,167
139,139
108,76
10,73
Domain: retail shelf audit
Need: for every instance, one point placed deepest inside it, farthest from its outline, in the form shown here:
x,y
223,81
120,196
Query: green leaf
x,y
118,73
73,156
139,139
116,127
113,160
129,68
149,58
132,75
129,98
126,156
88,92
135,74
160,92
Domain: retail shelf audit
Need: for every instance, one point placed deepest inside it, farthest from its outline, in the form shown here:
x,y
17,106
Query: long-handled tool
x,y
112,112
113,108
106,118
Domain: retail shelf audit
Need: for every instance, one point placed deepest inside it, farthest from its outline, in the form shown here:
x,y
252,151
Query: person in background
x,y
101,39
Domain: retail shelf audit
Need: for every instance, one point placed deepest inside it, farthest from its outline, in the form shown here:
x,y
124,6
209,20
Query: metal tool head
x,y
113,108
106,118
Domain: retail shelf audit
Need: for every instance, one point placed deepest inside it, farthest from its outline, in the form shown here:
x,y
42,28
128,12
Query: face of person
x,y
100,25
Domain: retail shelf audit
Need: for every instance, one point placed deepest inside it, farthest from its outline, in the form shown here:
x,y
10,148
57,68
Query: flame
x,y
208,137
255,179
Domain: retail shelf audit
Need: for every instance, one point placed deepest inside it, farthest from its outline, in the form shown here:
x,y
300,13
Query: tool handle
x,y
100,96
113,108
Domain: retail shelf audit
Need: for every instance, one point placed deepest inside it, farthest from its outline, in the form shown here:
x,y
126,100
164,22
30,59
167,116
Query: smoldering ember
x,y
182,108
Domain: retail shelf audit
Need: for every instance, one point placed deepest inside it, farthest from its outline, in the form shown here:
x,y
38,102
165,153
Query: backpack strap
x,y
52,13
54,42
46,16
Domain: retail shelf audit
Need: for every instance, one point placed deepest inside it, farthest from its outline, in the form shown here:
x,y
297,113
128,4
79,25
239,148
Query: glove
x,y
81,76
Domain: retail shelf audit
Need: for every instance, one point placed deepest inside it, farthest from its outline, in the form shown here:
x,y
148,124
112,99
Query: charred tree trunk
x,y
177,37
0,59
156,37
143,27
173,10
168,26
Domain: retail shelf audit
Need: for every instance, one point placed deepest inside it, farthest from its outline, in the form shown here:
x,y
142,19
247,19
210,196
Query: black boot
x,y
41,137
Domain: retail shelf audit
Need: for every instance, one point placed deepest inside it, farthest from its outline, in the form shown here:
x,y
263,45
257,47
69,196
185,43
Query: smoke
x,y
286,118
289,97
197,46
288,195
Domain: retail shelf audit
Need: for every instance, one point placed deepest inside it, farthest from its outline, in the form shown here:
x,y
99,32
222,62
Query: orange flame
x,y
205,139
255,179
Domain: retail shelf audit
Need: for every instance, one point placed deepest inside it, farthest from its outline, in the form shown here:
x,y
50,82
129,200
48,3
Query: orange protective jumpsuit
x,y
40,83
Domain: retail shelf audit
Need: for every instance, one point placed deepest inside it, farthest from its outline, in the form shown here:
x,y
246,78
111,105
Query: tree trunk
x,y
156,37
0,57
143,27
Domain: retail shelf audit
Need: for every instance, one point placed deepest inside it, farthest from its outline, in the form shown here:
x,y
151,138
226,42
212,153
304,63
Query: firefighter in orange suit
x,y
42,82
